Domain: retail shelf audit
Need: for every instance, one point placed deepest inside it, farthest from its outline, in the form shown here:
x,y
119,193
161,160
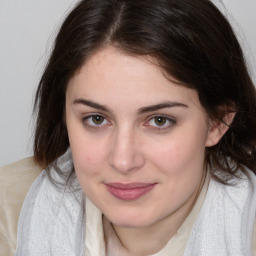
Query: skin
x,y
125,143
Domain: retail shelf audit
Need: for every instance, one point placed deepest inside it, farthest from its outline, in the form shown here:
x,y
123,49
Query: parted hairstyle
x,y
191,42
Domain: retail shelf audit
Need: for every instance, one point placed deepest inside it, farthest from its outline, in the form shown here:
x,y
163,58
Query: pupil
x,y
97,119
160,121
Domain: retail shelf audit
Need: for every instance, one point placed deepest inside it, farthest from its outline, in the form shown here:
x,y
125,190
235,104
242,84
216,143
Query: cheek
x,y
87,163
86,157
87,154
179,151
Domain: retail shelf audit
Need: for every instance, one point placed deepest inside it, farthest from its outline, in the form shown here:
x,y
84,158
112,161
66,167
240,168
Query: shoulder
x,y
228,214
253,178
22,165
16,178
15,181
254,229
249,184
254,240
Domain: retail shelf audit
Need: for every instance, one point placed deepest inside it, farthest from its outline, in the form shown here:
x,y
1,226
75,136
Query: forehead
x,y
110,75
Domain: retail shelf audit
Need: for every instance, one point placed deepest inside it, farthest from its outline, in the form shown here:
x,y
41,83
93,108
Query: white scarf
x,y
224,226
52,220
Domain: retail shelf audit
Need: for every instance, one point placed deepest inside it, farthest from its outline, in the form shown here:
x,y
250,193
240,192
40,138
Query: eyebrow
x,y
91,104
155,107
151,108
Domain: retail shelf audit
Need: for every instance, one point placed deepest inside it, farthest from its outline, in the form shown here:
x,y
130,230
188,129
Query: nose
x,y
126,155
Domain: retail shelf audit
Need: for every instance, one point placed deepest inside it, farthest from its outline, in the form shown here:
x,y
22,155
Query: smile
x,y
131,191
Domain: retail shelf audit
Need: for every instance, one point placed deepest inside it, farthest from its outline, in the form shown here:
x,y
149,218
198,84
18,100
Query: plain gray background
x,y
27,30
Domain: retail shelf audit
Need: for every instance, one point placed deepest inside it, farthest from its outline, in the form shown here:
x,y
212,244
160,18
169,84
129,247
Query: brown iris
x,y
160,121
98,119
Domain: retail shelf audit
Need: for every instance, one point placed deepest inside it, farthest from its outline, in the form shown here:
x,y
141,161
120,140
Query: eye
x,y
95,121
161,122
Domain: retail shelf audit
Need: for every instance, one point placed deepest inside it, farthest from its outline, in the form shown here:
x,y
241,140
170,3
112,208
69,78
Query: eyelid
x,y
168,118
90,115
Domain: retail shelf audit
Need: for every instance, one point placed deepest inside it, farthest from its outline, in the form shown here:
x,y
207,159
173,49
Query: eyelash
x,y
94,126
170,122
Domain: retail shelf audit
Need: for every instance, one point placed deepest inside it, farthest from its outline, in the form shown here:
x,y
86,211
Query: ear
x,y
217,128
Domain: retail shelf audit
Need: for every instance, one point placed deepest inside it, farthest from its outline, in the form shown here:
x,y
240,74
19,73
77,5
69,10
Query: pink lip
x,y
130,191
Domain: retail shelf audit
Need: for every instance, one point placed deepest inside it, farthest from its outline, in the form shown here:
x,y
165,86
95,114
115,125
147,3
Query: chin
x,y
131,219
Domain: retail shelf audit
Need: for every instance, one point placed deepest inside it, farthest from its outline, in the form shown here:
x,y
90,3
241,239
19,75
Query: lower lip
x,y
129,193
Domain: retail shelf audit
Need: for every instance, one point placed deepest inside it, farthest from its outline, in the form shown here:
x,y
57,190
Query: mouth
x,y
130,191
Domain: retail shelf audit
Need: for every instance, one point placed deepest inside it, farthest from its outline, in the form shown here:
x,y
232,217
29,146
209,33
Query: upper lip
x,y
129,185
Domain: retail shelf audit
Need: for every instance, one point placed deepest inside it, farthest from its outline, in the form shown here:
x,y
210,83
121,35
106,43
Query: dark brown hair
x,y
191,41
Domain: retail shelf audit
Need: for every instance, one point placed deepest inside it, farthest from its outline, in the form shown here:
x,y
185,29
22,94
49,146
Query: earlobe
x,y
217,128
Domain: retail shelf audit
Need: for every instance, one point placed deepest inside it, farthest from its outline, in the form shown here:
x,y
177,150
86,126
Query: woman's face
x,y
138,140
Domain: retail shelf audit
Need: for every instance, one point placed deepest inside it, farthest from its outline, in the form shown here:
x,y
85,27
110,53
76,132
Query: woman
x,y
146,131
